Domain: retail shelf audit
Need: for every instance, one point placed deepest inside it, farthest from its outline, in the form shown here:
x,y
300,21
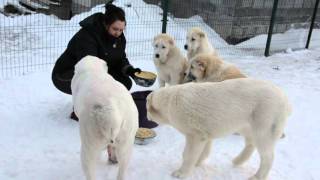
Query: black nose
x,y
157,55
191,77
186,47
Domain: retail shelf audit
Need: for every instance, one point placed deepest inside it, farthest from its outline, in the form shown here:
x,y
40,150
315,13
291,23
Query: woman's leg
x,y
62,81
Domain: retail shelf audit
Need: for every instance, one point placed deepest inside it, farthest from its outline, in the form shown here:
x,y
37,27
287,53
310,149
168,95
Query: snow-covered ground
x,y
39,142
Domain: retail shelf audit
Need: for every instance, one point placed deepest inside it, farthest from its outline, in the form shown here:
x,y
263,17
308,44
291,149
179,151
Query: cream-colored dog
x,y
256,109
169,61
197,42
206,67
107,115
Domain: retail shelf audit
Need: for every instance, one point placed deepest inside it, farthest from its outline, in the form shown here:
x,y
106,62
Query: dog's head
x,y
194,39
90,64
162,44
149,105
153,111
200,67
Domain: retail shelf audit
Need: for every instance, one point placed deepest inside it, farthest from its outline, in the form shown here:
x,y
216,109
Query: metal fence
x,y
33,38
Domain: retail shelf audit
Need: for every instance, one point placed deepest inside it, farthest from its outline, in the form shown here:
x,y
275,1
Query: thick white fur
x,y
206,67
256,109
169,61
197,42
107,115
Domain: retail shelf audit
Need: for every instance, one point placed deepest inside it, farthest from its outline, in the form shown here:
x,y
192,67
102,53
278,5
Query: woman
x,y
101,35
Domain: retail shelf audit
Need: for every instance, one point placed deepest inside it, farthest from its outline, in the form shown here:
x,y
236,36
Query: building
x,y
64,9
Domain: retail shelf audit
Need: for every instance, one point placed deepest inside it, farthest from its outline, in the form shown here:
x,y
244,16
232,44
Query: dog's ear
x,y
149,99
202,34
201,64
155,39
171,42
149,105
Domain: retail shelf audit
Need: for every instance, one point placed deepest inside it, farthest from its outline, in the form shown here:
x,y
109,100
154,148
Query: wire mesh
x,y
292,23
315,36
33,39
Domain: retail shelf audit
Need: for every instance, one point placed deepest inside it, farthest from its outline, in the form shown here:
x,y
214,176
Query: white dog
x,y
197,42
107,114
206,67
169,61
204,111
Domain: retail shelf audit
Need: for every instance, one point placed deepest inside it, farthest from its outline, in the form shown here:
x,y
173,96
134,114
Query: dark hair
x,y
113,13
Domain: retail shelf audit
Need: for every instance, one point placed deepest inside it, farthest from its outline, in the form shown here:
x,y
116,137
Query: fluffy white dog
x,y
256,109
197,42
169,61
107,115
206,67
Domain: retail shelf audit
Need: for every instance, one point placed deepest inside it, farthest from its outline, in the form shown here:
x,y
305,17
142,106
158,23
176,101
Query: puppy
x,y
256,109
206,67
107,115
168,60
197,42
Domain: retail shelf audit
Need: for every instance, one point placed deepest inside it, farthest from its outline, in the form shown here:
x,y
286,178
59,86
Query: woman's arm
x,y
84,45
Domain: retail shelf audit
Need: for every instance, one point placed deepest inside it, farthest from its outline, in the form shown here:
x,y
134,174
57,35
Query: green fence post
x,y
165,6
273,16
312,22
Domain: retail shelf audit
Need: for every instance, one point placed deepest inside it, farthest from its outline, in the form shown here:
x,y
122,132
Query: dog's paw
x,y
237,162
256,178
112,161
253,178
179,174
112,156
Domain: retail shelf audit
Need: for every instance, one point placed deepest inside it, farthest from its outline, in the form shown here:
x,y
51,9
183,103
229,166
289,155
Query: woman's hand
x,y
131,70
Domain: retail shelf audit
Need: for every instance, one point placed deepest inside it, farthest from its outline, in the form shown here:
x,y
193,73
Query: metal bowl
x,y
144,136
145,78
143,141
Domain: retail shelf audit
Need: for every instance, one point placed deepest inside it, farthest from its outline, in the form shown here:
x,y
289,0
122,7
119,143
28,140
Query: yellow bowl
x,y
145,78
144,136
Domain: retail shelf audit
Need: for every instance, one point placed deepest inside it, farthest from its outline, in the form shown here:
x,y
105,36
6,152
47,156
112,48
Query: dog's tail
x,y
283,117
107,122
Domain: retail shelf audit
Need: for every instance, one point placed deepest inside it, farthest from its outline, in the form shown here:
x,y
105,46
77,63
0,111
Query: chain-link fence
x,y
242,26
33,33
292,21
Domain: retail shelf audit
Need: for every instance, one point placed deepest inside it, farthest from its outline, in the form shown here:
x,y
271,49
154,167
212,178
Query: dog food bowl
x,y
144,136
145,78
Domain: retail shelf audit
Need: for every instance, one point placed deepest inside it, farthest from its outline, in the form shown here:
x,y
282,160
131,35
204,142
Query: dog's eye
x,y
163,47
193,39
156,46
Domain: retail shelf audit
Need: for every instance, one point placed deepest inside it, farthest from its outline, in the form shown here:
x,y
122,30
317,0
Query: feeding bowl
x,y
145,78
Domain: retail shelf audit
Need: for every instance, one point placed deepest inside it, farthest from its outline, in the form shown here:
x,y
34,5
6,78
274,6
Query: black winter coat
x,y
92,39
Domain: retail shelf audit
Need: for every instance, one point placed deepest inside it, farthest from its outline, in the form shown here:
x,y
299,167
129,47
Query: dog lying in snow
x,y
206,67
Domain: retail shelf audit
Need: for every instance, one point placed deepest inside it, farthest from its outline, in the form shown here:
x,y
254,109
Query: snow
x,y
38,140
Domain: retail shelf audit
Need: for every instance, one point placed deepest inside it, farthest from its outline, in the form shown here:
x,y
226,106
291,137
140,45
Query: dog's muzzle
x,y
186,47
190,77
